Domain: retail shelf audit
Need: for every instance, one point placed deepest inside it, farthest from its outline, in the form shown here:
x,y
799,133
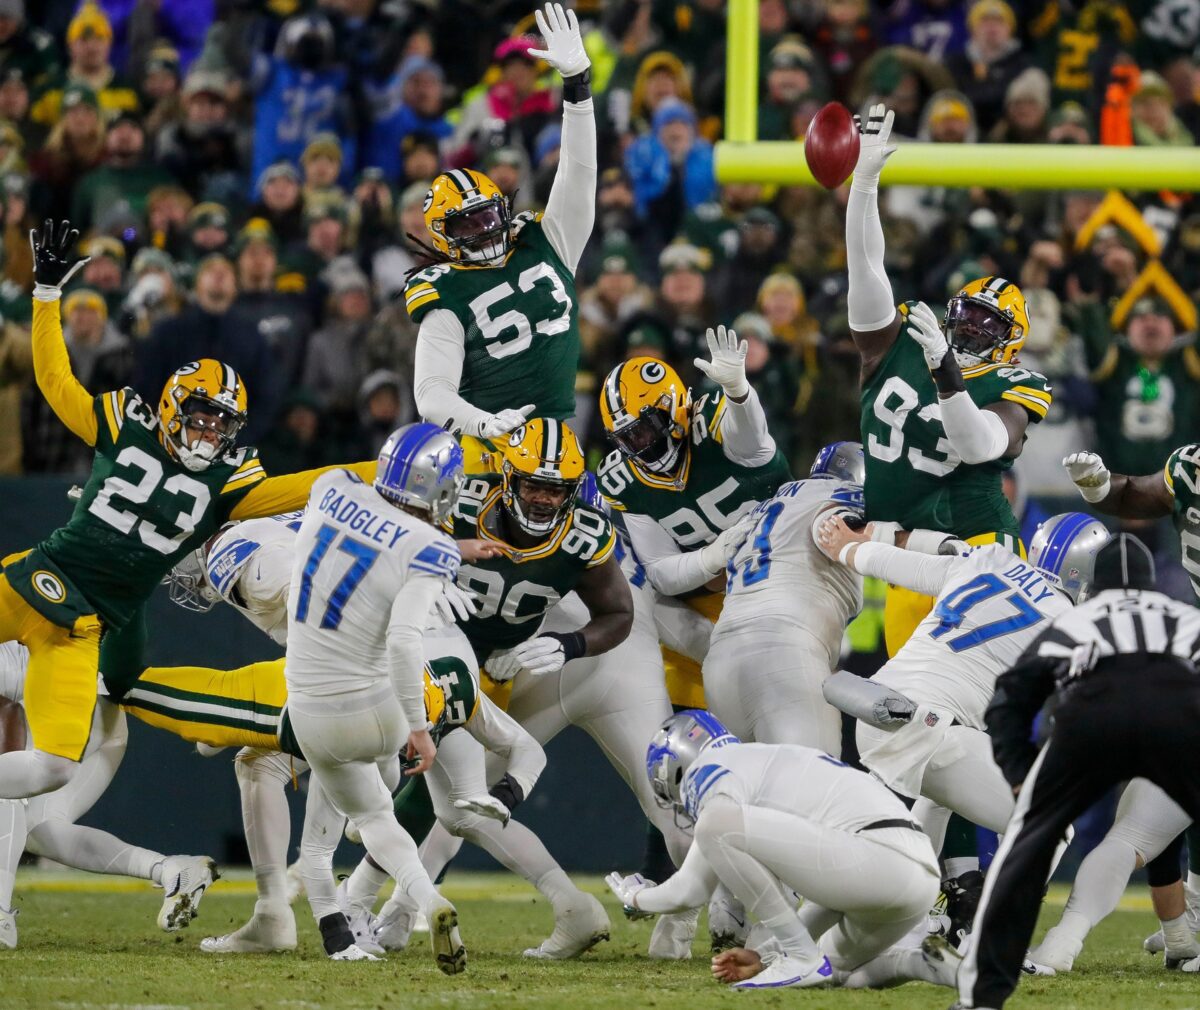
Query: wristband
x,y
1095,494
578,87
573,643
885,533
844,554
948,376
47,292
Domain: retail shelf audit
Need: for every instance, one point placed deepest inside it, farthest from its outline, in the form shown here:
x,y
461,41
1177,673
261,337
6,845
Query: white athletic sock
x,y
25,773
438,849
262,782
12,844
93,850
557,888
1193,882
1099,884
956,866
364,885
1177,934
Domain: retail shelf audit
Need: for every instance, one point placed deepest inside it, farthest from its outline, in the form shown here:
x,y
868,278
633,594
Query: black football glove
x,y
54,258
508,791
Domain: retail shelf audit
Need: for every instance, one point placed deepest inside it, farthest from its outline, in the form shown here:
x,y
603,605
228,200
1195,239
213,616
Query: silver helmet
x,y
1064,550
421,467
842,460
674,749
188,586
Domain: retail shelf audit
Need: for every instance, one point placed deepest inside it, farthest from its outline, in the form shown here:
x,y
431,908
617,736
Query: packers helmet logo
x,y
49,586
653,371
428,201
189,369
517,437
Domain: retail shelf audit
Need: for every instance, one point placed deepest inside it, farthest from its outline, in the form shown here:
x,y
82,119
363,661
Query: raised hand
x,y
54,258
727,362
564,43
873,149
1088,473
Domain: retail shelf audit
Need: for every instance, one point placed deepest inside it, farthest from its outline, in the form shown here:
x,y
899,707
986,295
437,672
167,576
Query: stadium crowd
x,y
247,178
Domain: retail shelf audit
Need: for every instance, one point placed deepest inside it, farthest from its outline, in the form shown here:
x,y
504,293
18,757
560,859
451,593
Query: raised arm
x,y
571,207
290,491
742,425
870,304
54,262
1116,494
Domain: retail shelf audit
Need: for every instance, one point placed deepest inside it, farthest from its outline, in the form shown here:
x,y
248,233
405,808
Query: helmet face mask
x,y
468,218
420,471
539,504
479,233
188,586
201,412
648,439
543,472
646,411
977,330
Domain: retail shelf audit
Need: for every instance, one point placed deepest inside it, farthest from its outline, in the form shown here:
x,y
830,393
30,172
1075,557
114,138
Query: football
x,y
831,145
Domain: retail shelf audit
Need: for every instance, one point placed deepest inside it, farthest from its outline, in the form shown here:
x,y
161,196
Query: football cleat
x,y
1175,957
673,935
783,972
577,928
962,901
726,921
362,922
265,933
1029,967
448,949
184,879
942,959
394,925
1057,951
8,928
353,953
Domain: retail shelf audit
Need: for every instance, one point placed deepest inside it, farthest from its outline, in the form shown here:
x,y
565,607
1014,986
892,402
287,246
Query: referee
x,y
1122,668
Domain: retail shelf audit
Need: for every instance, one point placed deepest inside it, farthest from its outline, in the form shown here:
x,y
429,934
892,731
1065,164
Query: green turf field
x,y
90,943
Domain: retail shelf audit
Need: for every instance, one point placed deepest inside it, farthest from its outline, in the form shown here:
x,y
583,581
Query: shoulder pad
x,y
613,478
521,220
473,494
1026,388
706,415
137,409
1183,466
421,290
592,538
439,557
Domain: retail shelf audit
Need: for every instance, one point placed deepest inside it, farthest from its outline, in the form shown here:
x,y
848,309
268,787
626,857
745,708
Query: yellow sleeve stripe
x,y
423,300
613,503
244,479
1033,406
112,414
718,417
1168,479
605,552
1037,394
419,291
250,464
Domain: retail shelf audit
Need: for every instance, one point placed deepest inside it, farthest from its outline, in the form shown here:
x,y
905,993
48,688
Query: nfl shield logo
x,y
931,719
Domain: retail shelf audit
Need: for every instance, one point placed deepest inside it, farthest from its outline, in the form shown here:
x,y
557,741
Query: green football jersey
x,y
1182,475
707,494
914,476
520,323
516,589
140,512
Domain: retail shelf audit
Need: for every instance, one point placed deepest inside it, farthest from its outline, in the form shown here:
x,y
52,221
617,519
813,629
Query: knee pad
x,y
255,767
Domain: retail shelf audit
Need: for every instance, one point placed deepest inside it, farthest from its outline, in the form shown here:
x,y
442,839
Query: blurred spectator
x,y
904,80
1148,387
1154,121
682,310
300,91
546,148
281,202
209,230
101,359
298,440
183,23
372,210
167,209
844,40
385,402
422,160
991,61
336,362
325,241
781,302
938,28
18,220
14,108
615,205
410,101
12,153
89,45
281,317
671,169
105,271
1077,42
516,106
25,49
160,88
123,181
791,75
153,293
16,374
321,164
75,146
713,225
641,80
772,372
203,150
392,262
208,329
762,246
1069,124
1026,110
508,167
946,119
604,308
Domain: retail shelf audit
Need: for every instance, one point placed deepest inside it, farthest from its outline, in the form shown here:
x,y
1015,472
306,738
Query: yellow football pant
x,y
222,708
498,693
60,680
685,683
903,609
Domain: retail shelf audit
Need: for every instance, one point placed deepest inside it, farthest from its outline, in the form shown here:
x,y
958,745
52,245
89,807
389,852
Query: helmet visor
x,y
644,438
976,328
469,228
204,418
543,500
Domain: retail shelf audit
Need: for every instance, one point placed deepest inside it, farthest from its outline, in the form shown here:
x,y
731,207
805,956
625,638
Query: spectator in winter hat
x,y
15,105
791,75
161,88
28,50
508,167
126,177
422,158
992,60
762,247
154,293
384,404
1154,121
203,151
1026,110
281,202
392,262
516,101
322,165
661,75
209,230
167,209
336,362
419,83
74,148
617,295
105,270
781,302
1069,124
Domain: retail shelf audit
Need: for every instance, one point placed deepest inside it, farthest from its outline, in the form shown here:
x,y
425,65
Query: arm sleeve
x,y
744,433
437,371
977,435
922,573
690,887
670,570
501,734
52,368
571,207
289,492
870,304
405,636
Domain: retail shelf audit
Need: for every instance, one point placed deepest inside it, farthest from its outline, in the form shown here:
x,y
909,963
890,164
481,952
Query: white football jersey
x,y
990,607
779,573
14,658
354,553
802,781
250,566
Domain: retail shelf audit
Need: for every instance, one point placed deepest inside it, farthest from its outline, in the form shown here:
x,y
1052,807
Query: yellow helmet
x,y
468,218
646,410
435,704
542,471
203,396
987,320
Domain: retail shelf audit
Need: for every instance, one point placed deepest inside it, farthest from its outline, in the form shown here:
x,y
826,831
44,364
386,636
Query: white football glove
x,y
873,149
485,806
564,44
502,666
540,656
924,328
727,367
455,604
495,425
716,555
1088,472
627,888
